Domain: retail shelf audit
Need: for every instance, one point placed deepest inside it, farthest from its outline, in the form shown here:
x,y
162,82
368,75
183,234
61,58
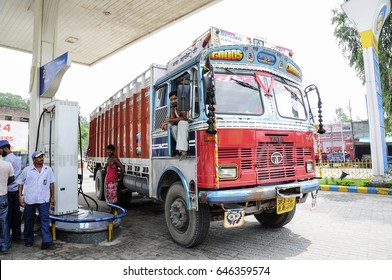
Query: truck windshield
x,y
237,94
288,97
289,100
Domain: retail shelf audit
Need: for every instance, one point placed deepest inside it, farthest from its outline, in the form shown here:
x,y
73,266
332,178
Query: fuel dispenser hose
x,y
80,176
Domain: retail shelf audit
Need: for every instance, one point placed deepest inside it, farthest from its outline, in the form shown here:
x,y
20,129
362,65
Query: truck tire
x,y
124,195
188,228
100,184
271,219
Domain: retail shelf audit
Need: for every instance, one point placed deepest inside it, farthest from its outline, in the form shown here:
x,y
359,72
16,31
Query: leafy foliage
x,y
84,131
341,116
344,182
14,101
350,44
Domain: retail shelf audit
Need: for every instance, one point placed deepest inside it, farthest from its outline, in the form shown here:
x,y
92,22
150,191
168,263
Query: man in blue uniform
x,y
36,183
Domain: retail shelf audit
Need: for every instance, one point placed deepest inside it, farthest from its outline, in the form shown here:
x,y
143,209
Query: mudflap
x,y
314,200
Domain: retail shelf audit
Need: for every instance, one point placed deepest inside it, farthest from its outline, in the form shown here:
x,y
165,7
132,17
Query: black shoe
x,y
29,244
15,238
45,246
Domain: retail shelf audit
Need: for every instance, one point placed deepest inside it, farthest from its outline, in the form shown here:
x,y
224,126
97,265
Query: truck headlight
x,y
227,172
309,166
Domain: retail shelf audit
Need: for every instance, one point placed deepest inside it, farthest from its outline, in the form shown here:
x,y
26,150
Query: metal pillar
x,y
368,17
352,129
44,50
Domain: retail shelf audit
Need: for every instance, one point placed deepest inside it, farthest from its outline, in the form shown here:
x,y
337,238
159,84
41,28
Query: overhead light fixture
x,y
71,40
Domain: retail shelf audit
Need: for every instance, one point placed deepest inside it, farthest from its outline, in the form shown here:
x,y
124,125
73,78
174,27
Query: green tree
x,y
84,131
350,43
341,116
14,101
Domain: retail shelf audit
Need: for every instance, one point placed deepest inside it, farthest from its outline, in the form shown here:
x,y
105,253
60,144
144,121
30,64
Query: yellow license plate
x,y
284,205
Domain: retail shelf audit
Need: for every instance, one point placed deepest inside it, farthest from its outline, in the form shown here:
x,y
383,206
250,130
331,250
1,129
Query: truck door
x,y
160,137
163,144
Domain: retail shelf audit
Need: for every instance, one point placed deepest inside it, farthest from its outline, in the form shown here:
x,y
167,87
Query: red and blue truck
x,y
250,136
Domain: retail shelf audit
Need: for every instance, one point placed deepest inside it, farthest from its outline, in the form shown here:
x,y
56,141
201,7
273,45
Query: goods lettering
x,y
235,55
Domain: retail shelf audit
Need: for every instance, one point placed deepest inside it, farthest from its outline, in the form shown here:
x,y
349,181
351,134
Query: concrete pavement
x,y
344,226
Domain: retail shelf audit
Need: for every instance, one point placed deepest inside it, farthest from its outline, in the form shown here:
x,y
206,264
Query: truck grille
x,y
275,160
301,153
271,161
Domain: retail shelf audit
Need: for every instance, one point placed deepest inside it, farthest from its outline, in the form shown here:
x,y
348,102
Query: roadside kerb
x,y
356,189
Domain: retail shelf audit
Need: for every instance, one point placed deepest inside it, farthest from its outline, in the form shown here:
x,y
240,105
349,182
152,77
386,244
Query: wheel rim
x,y
179,215
97,183
96,186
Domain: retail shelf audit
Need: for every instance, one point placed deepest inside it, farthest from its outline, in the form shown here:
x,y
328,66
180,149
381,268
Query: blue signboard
x,y
51,75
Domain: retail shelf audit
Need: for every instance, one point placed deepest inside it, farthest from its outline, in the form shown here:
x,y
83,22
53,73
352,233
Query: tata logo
x,y
277,139
276,158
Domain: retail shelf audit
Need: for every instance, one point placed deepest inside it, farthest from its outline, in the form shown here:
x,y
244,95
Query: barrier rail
x,y
75,219
356,169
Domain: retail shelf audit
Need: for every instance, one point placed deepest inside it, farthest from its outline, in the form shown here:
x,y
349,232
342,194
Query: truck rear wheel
x,y
271,219
124,196
100,184
188,228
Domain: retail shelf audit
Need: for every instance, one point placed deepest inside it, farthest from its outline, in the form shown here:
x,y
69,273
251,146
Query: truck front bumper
x,y
258,193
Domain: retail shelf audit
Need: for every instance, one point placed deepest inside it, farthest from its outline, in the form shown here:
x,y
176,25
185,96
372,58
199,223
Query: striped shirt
x,y
16,164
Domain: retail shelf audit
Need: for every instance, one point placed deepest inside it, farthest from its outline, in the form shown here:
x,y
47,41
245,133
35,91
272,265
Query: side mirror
x,y
309,88
183,97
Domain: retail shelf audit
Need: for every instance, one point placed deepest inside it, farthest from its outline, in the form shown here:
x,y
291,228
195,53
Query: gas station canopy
x,y
93,30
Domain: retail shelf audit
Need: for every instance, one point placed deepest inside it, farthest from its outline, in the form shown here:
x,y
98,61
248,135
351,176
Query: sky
x,y
302,25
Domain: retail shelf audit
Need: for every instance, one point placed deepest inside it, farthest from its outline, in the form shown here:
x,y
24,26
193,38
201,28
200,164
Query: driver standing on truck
x,y
113,164
179,126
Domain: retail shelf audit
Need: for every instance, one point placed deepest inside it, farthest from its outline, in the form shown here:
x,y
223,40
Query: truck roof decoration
x,y
216,37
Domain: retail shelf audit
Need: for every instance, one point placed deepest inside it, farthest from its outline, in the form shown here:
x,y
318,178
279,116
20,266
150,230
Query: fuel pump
x,y
60,145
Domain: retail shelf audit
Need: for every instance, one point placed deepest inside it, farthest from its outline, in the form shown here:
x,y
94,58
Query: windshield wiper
x,y
242,83
293,94
245,84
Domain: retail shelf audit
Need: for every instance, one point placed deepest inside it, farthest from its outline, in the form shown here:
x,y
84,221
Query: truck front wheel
x,y
100,184
188,228
269,218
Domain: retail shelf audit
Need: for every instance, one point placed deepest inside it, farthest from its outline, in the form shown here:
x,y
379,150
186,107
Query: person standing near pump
x,y
14,214
112,166
6,177
36,183
179,126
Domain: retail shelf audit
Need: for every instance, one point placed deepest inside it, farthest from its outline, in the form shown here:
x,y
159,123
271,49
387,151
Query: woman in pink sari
x,y
112,179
